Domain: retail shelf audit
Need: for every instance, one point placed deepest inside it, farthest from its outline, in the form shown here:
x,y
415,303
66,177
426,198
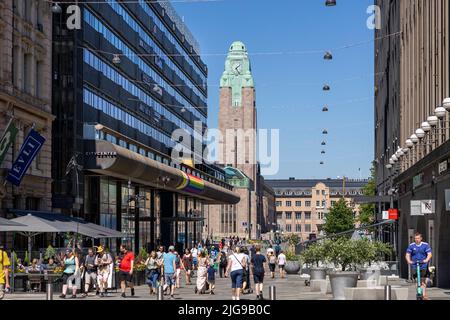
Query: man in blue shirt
x,y
169,269
419,251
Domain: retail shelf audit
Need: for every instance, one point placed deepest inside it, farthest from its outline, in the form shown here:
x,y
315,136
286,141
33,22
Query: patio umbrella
x,y
9,223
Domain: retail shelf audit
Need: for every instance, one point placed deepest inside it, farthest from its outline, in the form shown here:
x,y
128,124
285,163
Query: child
x,y
211,278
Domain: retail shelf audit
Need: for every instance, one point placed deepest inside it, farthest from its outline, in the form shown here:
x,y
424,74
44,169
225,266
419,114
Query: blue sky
x,y
289,92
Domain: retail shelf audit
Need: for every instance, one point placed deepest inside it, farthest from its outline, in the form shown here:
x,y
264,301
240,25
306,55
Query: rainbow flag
x,y
191,184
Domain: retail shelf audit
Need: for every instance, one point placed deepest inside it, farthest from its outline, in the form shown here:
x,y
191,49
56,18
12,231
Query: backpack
x,y
272,259
223,259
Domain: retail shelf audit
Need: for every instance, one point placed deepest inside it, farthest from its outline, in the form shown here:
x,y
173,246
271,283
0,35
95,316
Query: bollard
x,y
49,293
387,292
272,293
160,295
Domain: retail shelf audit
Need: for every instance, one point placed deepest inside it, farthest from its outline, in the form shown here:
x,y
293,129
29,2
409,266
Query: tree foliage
x,y
366,214
339,219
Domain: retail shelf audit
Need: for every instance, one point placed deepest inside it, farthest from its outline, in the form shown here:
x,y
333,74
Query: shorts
x,y
169,279
125,276
90,277
69,280
423,274
258,277
272,267
281,266
103,276
236,278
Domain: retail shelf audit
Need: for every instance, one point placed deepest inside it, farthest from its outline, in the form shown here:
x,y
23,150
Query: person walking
x,y
90,274
4,272
153,265
419,252
177,269
187,265
235,268
222,263
169,268
126,268
246,287
211,278
103,261
258,261
194,252
202,272
272,262
70,275
281,260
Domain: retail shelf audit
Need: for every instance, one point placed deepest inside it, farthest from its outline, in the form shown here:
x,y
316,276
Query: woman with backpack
x,y
272,262
223,261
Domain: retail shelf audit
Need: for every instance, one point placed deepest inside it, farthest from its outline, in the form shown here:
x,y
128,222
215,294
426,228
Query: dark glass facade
x,y
158,86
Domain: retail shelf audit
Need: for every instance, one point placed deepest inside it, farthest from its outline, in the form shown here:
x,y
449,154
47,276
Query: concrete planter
x,y
340,280
369,274
318,273
292,267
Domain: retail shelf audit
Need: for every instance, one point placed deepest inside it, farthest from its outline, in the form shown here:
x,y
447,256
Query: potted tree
x,y
313,256
292,263
370,253
344,255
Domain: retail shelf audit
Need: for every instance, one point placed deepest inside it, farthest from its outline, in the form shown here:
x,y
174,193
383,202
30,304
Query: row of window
x,y
298,215
319,203
171,38
97,102
143,66
145,36
112,74
318,192
298,228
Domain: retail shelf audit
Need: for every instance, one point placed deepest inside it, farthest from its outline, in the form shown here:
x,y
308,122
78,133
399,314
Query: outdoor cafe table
x,y
47,277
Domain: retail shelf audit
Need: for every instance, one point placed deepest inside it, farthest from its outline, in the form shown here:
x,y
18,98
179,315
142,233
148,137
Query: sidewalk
x,y
290,288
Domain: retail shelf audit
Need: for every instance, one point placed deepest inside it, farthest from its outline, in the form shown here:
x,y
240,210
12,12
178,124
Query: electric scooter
x,y
419,295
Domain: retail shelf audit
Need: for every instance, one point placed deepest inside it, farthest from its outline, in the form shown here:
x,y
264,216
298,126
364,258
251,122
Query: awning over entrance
x,y
49,222
116,161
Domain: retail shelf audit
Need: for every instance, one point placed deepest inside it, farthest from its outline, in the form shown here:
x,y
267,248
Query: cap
x,y
100,249
171,248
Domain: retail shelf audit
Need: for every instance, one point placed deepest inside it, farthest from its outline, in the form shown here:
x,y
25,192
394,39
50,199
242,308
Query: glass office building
x,y
121,85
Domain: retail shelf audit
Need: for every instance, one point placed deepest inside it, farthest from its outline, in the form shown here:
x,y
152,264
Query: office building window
x,y
280,215
307,228
288,215
298,215
317,203
317,192
288,203
308,204
278,203
288,228
307,215
298,228
298,203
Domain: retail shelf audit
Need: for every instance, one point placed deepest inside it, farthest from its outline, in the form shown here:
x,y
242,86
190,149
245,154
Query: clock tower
x,y
237,113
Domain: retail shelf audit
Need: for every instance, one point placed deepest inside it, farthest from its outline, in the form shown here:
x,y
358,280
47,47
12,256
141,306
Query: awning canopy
x,y
5,222
49,222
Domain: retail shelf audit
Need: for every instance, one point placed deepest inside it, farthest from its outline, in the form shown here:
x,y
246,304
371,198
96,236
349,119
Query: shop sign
x,y
417,180
428,206
385,215
102,154
443,166
393,214
416,208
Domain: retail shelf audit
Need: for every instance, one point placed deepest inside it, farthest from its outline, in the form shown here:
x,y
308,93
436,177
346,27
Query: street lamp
x,y
426,127
446,104
440,112
56,8
414,138
420,133
116,59
328,56
433,120
409,143
330,3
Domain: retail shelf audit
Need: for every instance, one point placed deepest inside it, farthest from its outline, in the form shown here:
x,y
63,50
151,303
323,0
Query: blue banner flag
x,y
30,148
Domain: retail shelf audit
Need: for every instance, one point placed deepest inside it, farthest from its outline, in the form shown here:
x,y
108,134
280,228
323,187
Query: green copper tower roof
x,y
238,72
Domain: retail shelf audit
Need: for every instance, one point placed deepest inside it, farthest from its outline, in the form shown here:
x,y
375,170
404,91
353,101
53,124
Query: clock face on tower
x,y
237,68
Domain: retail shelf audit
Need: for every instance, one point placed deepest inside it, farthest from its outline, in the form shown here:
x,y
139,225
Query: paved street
x,y
291,288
